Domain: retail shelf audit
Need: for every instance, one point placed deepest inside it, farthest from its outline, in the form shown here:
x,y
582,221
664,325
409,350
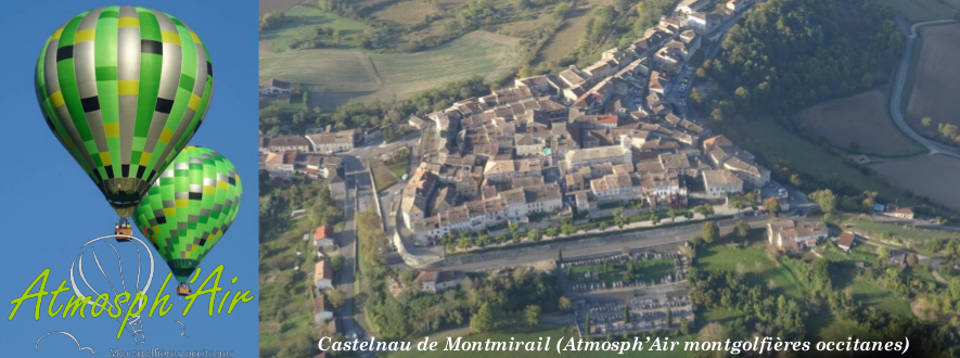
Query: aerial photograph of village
x,y
702,170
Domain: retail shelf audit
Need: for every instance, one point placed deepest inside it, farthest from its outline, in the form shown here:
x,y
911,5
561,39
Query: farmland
x,y
786,152
934,177
567,38
300,22
924,10
858,124
937,79
336,76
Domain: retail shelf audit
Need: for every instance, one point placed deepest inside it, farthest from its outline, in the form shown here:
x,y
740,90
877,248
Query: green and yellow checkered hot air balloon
x,y
188,209
124,89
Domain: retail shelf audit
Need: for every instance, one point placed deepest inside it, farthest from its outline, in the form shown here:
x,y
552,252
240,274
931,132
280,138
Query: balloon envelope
x,y
188,209
123,88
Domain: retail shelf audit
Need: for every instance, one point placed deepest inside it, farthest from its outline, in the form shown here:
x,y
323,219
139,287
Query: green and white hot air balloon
x,y
124,88
189,208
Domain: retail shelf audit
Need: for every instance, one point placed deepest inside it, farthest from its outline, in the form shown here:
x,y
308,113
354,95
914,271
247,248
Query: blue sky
x,y
50,208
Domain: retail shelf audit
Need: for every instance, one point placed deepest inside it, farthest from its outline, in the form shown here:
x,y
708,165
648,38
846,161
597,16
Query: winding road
x,y
896,112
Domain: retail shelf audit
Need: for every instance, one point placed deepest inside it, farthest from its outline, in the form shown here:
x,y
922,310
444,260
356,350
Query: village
x,y
612,143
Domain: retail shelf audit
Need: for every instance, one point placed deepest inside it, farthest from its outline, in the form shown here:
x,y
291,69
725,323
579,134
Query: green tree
x,y
335,297
532,315
618,218
795,180
711,232
564,304
741,229
484,320
825,199
561,10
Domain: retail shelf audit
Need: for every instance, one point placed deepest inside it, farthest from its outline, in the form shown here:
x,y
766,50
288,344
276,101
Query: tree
x,y
483,320
335,297
772,205
626,313
912,259
336,262
560,11
564,304
869,200
618,218
882,253
711,232
532,315
716,114
825,199
696,96
534,235
795,180
741,229
704,209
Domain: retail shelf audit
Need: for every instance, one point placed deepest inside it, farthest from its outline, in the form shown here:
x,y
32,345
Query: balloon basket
x,y
123,231
183,290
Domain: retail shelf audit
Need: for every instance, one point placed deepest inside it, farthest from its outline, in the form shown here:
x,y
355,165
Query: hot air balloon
x,y
123,89
189,208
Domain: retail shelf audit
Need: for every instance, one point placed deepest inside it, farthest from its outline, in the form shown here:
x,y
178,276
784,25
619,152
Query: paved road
x,y
529,255
896,112
357,182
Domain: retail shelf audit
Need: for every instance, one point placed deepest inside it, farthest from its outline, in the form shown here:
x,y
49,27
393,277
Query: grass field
x,y
336,76
277,5
780,149
858,124
934,177
407,12
923,10
937,79
752,259
568,37
300,21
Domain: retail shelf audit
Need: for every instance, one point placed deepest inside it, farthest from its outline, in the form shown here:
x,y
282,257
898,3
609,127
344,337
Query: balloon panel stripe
x,y
106,76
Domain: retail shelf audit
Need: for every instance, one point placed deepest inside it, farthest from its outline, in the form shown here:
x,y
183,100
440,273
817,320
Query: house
x,y
905,213
608,120
323,275
436,281
796,235
286,143
415,196
699,21
611,154
275,87
690,6
721,182
656,82
417,122
898,257
278,165
331,142
846,240
320,310
323,236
